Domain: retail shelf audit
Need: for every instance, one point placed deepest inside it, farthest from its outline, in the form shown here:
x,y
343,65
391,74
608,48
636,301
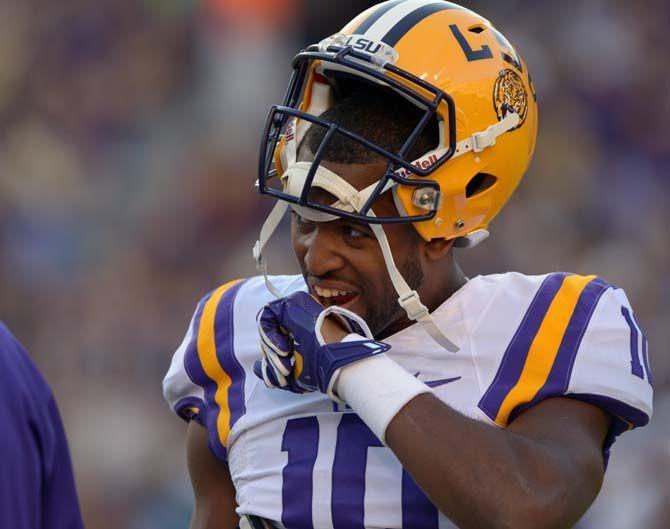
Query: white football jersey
x,y
307,463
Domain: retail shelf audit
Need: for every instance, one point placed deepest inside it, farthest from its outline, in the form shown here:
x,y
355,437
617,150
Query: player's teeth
x,y
329,292
323,292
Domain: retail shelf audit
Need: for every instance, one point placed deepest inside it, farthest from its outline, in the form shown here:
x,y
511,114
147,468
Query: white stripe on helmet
x,y
382,26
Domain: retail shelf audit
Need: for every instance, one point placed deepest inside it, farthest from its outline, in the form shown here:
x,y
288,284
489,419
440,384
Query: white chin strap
x,y
408,299
269,227
349,200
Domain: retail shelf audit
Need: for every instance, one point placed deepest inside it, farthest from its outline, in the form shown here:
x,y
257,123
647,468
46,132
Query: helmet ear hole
x,y
479,183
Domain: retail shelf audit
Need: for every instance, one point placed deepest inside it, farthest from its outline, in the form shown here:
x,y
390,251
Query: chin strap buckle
x,y
483,140
418,312
415,310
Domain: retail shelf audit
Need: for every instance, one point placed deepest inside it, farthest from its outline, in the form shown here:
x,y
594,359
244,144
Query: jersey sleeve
x,y
611,369
579,338
205,381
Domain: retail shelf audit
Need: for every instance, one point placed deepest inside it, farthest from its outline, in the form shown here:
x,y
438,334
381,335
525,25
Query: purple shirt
x,y
37,488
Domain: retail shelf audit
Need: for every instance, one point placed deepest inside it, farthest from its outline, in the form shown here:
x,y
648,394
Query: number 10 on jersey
x,y
354,438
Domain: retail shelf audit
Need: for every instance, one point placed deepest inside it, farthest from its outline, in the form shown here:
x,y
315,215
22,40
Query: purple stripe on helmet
x,y
559,376
408,22
224,336
515,355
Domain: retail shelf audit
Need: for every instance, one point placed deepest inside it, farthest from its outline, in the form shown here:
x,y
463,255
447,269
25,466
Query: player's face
x,y
342,262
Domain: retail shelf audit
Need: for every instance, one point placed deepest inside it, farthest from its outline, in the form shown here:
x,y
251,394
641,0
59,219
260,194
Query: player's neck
x,y
446,282
450,280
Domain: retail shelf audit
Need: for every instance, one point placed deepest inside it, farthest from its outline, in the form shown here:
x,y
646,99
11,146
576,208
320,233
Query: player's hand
x,y
295,355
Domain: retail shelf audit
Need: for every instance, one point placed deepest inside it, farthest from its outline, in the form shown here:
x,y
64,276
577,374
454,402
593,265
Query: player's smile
x,y
330,293
331,253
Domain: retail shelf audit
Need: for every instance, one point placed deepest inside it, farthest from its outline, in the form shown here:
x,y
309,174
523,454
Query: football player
x,y
382,387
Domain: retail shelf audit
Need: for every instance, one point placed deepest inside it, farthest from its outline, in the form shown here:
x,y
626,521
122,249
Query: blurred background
x,y
128,141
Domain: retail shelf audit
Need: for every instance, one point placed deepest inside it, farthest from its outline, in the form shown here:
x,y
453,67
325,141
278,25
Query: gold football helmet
x,y
457,69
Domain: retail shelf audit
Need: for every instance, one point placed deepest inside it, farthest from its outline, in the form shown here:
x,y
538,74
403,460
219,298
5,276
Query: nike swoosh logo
x,y
441,382
436,383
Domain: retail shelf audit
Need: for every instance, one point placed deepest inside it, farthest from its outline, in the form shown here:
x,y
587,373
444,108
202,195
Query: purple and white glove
x,y
295,355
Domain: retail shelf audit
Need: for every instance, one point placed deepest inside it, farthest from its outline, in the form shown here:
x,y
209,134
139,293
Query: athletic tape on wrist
x,y
377,389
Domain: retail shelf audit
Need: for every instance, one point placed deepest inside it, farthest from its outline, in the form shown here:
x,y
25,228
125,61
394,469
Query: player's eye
x,y
301,221
354,231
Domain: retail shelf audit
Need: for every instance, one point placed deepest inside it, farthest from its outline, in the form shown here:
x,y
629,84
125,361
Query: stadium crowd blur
x,y
128,141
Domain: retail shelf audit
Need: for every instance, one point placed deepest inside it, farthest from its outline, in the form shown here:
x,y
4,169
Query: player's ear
x,y
436,249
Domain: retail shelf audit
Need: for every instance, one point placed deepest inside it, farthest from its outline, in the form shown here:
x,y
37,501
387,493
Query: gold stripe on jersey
x,y
545,346
210,362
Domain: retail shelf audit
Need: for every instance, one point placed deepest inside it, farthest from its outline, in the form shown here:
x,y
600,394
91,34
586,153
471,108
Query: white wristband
x,y
377,388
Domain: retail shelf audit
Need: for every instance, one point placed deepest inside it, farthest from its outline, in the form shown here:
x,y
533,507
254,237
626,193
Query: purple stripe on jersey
x,y
616,407
192,363
223,339
559,376
645,357
417,510
622,415
210,410
184,408
224,336
514,358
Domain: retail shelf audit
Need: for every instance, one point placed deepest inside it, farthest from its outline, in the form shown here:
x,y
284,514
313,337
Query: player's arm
x,y
184,386
212,485
545,467
543,471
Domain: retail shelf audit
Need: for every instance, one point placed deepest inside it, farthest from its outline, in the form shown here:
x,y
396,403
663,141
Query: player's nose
x,y
323,251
